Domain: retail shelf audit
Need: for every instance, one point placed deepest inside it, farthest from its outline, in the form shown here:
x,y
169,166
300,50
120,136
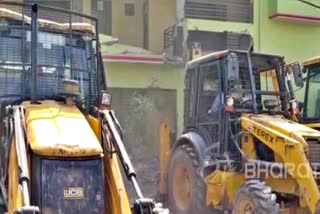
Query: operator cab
x,y
66,55
308,111
222,86
310,108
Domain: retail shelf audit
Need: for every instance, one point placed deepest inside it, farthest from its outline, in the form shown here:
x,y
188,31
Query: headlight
x,y
230,101
105,98
70,87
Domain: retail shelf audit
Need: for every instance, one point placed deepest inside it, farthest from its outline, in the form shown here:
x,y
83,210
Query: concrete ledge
x,y
134,58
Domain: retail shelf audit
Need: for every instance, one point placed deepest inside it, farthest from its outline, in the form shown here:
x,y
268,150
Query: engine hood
x,y
58,130
286,127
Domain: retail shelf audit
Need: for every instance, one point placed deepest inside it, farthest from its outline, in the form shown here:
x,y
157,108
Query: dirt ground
x,y
147,175
140,113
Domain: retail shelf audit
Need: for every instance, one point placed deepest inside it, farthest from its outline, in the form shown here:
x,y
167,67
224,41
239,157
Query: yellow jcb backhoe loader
x,y
308,111
239,152
60,141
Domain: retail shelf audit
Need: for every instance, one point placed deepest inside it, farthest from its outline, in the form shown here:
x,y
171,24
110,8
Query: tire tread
x,y
261,196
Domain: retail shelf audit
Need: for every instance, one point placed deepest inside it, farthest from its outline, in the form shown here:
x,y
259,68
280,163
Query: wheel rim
x,y
245,206
181,186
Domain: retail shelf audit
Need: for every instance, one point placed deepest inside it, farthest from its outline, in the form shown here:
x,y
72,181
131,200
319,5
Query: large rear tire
x,y
254,197
186,188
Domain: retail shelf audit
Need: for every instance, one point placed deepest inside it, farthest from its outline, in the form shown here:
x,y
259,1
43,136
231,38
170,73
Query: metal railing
x,y
173,41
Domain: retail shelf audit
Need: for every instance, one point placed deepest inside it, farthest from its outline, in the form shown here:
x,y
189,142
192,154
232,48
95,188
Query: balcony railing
x,y
227,10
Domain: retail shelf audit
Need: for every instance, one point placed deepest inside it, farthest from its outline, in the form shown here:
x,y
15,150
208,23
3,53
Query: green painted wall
x,y
138,75
295,40
294,7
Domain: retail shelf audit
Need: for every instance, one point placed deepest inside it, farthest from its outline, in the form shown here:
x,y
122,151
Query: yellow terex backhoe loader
x,y
239,151
60,140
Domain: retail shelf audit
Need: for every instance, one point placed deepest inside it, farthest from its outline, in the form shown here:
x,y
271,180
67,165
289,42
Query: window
x,y
265,82
217,41
209,88
231,10
129,9
102,9
100,5
312,106
64,4
189,95
209,108
269,83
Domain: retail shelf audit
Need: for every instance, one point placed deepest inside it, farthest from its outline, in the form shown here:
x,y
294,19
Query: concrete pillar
x,y
180,10
86,7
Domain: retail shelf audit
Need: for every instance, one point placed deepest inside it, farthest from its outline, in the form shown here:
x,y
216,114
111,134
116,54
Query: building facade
x,y
169,26
277,26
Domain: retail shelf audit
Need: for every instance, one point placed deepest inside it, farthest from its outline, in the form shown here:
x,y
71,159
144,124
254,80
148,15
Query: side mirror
x,y
297,74
233,67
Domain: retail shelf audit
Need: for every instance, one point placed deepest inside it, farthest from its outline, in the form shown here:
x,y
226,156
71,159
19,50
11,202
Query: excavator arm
x,y
111,136
16,113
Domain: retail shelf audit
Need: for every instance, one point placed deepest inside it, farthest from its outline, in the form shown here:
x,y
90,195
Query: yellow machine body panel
x,y
311,61
164,152
285,126
59,130
221,187
290,149
119,202
313,125
288,128
14,190
271,73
